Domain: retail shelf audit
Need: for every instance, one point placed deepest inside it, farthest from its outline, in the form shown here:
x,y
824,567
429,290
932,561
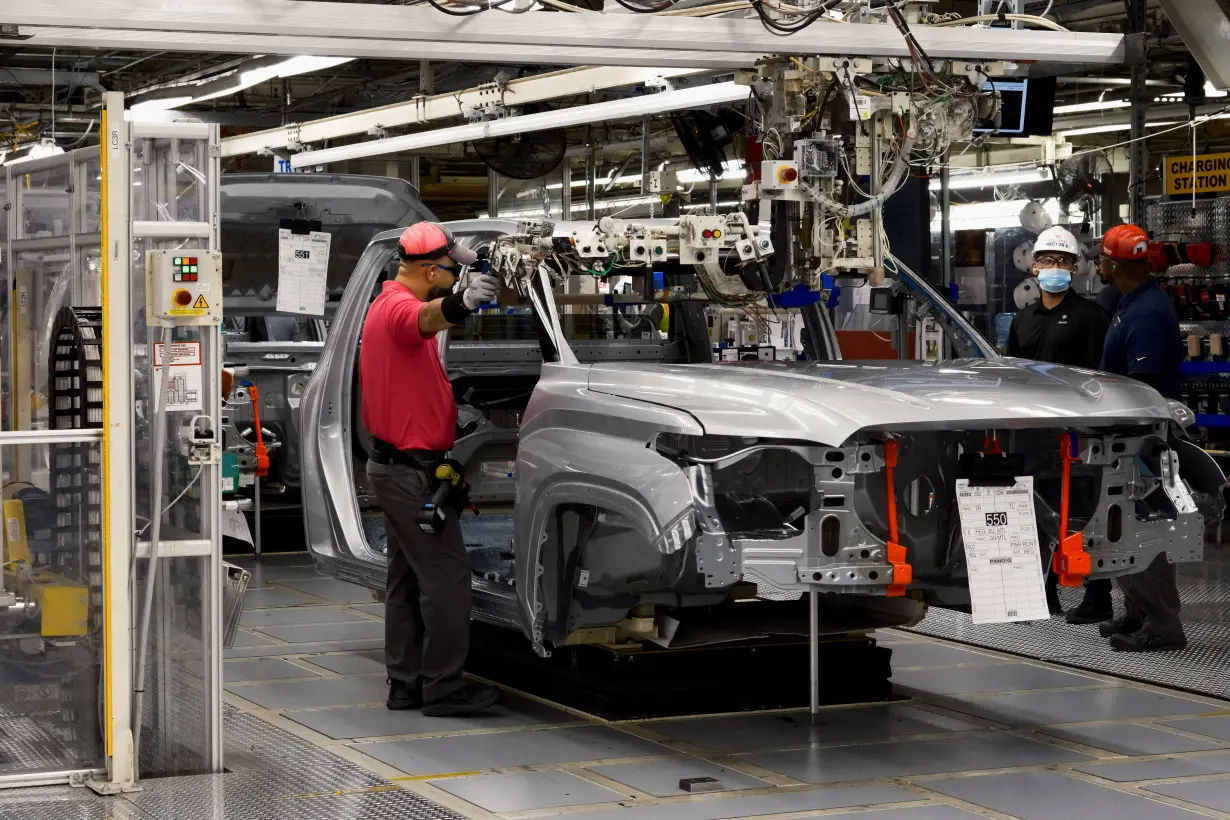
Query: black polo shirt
x,y
1071,333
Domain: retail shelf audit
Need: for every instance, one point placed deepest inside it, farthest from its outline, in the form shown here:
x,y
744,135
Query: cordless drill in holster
x,y
448,490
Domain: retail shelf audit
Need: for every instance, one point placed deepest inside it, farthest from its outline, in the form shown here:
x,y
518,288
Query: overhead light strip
x,y
632,107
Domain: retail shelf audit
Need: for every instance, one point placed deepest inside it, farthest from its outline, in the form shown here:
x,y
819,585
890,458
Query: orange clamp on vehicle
x,y
1070,562
903,573
262,454
990,446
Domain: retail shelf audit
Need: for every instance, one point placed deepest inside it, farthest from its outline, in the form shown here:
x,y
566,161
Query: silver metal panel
x,y
333,590
525,791
1161,769
1074,706
310,633
1000,678
1130,739
750,733
727,808
906,654
240,671
272,649
912,757
377,721
350,663
1046,795
442,755
1214,794
661,777
295,616
305,694
1218,727
256,599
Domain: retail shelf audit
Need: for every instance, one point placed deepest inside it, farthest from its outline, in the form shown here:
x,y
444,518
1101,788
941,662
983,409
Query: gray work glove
x,y
481,289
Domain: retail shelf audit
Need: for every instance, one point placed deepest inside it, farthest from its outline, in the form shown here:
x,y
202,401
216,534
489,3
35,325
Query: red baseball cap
x,y
431,240
1126,243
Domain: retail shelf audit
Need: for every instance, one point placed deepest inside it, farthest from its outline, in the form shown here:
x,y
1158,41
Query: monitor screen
x,y
1026,107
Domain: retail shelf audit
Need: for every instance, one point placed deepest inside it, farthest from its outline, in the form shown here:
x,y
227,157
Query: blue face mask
x,y
1054,280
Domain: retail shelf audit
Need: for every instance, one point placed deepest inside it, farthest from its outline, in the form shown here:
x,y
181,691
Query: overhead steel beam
x,y
616,32
562,118
44,76
424,110
390,49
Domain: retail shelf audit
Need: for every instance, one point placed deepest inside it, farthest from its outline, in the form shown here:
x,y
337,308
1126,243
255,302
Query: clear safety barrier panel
x,y
173,208
51,555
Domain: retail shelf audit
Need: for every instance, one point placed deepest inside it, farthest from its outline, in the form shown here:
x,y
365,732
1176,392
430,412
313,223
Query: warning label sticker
x,y
200,303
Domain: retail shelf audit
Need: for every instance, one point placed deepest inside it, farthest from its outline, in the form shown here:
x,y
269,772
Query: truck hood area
x,y
828,402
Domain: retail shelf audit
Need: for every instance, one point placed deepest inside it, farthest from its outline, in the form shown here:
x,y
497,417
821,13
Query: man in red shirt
x,y
409,409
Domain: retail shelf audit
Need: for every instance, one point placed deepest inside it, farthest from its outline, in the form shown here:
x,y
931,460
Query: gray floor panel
x,y
750,733
1213,794
939,812
1047,708
238,671
1048,795
245,638
975,679
309,694
1218,726
523,791
370,609
333,589
930,653
358,721
501,750
1161,769
351,663
726,808
295,615
274,650
264,597
661,777
904,758
1131,739
314,633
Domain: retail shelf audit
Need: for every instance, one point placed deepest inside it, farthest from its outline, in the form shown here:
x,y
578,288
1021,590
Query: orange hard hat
x,y
1126,243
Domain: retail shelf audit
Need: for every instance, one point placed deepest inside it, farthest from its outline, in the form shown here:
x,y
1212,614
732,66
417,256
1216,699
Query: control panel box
x,y
700,238
183,288
779,175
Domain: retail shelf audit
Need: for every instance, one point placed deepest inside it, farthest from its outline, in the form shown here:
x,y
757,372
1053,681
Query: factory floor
x,y
974,733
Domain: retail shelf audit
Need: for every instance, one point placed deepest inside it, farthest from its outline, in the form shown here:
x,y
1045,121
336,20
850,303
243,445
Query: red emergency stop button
x,y
787,174
182,298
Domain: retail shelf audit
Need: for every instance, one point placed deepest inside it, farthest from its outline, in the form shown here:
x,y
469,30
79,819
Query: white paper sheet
x,y
184,383
1002,552
235,525
303,266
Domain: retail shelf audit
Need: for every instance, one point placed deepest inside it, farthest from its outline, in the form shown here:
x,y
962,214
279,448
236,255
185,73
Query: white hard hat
x,y
1057,239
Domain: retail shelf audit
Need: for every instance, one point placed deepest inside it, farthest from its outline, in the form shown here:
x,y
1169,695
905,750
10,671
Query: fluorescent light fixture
x,y
238,80
733,170
990,215
628,108
991,177
1099,105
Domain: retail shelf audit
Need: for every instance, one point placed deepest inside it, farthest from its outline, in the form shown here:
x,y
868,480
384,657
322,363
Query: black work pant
x,y
1151,597
427,604
1098,589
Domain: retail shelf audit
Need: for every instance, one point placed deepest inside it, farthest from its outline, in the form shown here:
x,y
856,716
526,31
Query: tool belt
x,y
425,460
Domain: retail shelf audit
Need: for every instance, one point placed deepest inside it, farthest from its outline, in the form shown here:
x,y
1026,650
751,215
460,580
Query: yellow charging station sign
x,y
1201,174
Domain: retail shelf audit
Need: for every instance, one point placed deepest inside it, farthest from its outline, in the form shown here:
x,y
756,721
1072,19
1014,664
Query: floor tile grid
x,y
581,768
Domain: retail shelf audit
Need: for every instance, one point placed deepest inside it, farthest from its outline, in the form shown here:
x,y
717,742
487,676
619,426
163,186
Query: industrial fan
x,y
1082,179
705,137
524,156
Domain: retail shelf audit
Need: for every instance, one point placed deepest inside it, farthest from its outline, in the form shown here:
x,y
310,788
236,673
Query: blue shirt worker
x,y
1144,343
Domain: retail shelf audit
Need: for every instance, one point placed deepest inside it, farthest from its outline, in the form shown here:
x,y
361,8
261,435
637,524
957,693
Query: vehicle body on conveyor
x,y
279,351
648,479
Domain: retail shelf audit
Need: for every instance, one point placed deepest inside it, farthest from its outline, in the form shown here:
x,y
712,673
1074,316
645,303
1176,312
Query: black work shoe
x,y
1091,611
1145,641
403,696
1119,626
470,698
